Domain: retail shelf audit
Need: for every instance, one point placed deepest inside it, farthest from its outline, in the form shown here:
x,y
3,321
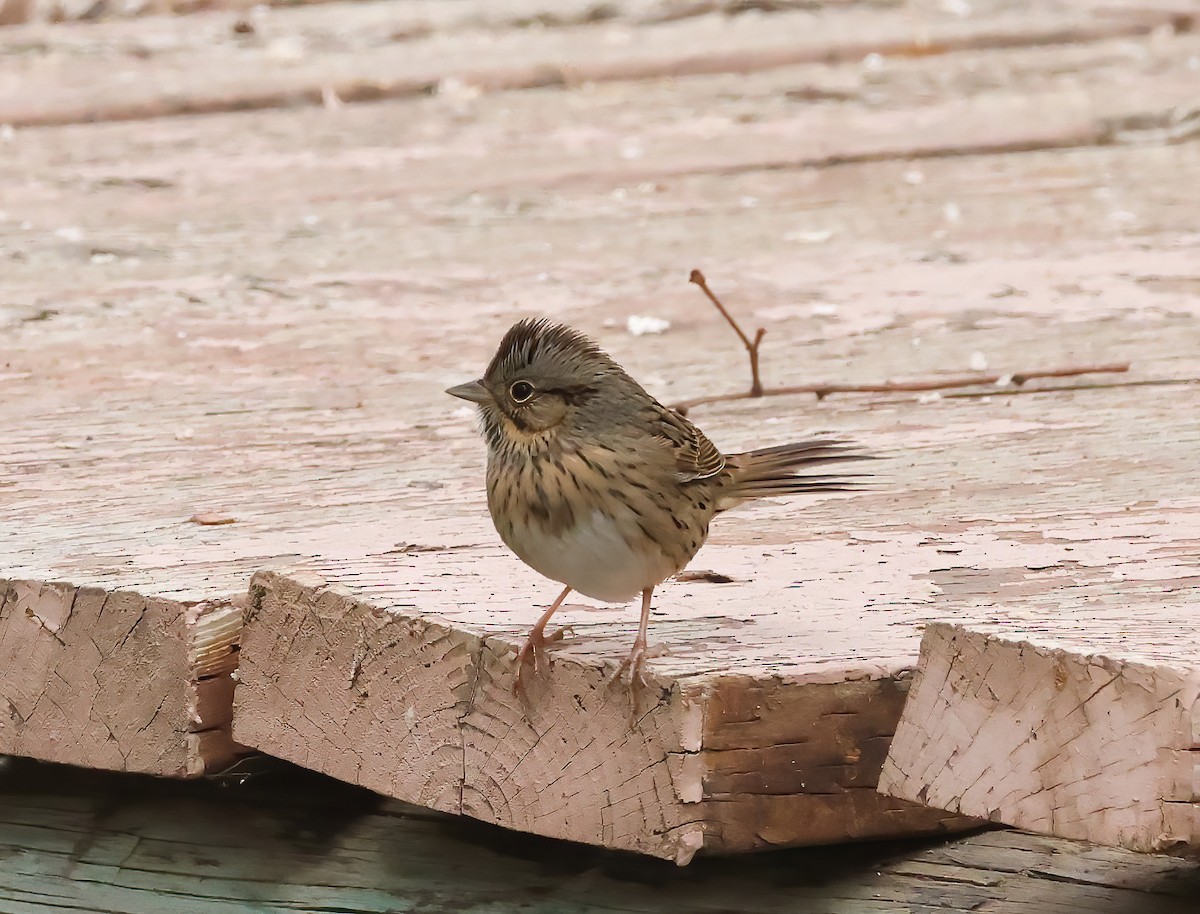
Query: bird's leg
x,y
532,651
632,664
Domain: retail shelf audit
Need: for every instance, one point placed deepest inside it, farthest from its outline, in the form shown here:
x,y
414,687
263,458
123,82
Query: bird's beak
x,y
472,390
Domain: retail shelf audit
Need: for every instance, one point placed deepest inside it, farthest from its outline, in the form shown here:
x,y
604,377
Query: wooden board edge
x,y
1122,773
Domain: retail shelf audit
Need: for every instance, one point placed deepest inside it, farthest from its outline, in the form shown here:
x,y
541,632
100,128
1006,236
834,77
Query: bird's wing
x,y
695,456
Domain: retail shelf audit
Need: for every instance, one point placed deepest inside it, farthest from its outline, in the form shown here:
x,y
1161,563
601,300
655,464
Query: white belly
x,y
593,558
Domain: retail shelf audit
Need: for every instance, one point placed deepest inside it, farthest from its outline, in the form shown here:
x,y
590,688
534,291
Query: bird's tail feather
x,y
772,471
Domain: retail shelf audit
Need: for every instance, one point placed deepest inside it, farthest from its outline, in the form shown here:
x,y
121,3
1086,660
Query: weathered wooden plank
x,y
423,710
780,756
157,375
445,197
1084,727
333,641
368,55
173,465
113,679
289,841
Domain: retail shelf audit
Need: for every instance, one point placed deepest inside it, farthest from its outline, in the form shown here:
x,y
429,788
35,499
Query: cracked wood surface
x,y
1085,727
293,841
420,706
254,316
114,679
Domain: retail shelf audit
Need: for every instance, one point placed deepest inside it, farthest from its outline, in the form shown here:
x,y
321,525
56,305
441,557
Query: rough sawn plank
x,y
114,679
422,709
1085,728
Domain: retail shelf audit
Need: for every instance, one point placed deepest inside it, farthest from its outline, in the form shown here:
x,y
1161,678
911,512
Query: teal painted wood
x,y
292,841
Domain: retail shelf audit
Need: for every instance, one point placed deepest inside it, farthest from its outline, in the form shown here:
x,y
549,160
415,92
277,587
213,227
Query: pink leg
x,y
533,650
633,662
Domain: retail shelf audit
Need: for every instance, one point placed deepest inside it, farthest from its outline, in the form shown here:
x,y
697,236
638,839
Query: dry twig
x,y
822,391
1099,385
967,380
756,388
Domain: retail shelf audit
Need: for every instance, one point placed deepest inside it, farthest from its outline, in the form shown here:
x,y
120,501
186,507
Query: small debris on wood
x,y
211,519
1005,291
410,548
811,236
247,768
704,577
149,183
287,49
417,548
641,324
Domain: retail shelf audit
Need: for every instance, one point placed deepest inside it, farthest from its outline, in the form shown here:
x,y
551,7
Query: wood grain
x,y
1085,729
128,71
425,712
287,841
112,679
252,318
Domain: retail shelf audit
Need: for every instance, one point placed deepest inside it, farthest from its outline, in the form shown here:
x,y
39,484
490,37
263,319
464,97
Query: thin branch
x,y
756,388
972,380
1099,385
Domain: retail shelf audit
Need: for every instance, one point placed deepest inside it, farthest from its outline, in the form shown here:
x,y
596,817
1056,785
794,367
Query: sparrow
x,y
596,485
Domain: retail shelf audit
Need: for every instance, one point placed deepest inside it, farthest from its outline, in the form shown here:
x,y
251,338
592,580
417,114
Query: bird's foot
x,y
532,654
630,673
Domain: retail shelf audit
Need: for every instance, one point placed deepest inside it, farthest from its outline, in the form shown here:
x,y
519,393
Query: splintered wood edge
x,y
787,763
214,632
1052,740
418,709
423,710
115,679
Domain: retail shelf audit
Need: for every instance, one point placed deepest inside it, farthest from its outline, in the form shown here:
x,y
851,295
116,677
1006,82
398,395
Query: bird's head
x,y
542,375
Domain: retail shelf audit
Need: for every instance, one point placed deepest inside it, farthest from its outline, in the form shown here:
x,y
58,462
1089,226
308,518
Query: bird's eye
x,y
520,391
